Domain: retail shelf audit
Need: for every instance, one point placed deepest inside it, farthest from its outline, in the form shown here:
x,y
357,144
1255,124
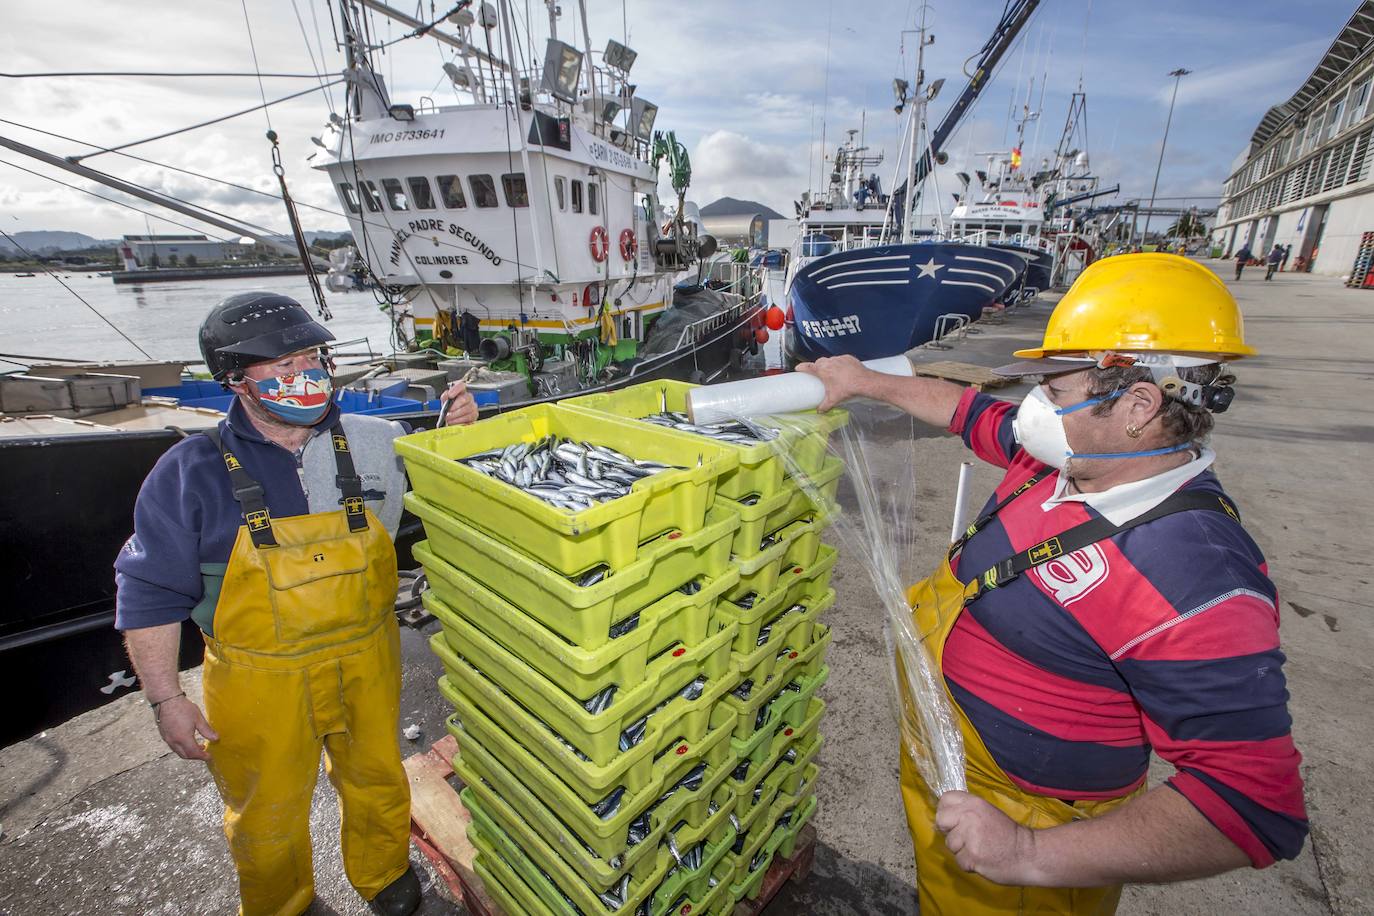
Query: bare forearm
x,y
929,400
1157,837
154,652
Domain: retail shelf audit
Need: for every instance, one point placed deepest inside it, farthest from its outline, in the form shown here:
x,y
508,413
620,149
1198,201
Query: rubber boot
x,y
399,898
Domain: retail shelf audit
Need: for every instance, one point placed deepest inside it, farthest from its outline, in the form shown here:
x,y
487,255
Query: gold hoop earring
x,y
1135,432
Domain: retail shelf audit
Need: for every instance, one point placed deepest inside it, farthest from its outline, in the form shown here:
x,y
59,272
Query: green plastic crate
x,y
676,728
508,767
676,620
761,467
799,666
502,884
569,542
581,615
769,514
594,734
500,858
762,752
572,869
749,880
797,585
778,776
803,537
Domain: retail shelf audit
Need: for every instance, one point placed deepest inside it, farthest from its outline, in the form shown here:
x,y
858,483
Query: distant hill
x,y
46,241
730,206
311,236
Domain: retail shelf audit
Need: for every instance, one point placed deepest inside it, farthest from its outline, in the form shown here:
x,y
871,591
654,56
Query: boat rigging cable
x,y
154,74
79,297
321,307
182,130
172,168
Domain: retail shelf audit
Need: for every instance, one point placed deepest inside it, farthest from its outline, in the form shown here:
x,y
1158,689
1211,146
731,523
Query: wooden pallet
x,y
979,377
439,821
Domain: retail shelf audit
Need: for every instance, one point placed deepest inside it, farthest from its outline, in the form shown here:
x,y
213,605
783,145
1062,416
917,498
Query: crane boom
x,y
1014,17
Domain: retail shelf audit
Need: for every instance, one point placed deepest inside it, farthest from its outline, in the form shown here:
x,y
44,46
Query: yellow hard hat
x,y
1145,303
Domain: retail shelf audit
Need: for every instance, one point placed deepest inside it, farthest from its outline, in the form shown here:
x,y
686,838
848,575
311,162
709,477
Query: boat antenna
x,y
13,241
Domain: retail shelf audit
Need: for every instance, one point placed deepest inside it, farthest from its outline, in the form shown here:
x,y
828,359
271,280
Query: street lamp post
x,y
1177,75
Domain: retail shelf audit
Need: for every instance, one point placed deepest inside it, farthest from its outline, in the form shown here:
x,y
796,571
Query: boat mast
x,y
918,113
514,111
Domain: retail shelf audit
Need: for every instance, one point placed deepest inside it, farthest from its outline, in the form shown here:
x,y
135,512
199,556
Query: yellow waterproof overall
x,y
944,888
304,654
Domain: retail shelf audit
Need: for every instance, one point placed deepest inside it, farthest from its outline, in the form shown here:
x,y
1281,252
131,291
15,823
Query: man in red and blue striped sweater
x,y
1121,609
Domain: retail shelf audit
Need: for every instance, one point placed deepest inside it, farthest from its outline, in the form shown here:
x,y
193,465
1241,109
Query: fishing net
x,y
875,525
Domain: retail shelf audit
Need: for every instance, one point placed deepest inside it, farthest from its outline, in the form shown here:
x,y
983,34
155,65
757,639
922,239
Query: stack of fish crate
x,y
783,491
621,752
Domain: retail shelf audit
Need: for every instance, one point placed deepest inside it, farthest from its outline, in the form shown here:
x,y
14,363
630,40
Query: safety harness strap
x,y
1094,530
251,499
248,493
347,479
982,521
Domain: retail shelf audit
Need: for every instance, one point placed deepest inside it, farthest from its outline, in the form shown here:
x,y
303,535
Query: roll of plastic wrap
x,y
773,394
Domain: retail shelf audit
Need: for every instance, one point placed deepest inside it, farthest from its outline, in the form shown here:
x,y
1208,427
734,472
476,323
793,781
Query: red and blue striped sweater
x,y
1162,637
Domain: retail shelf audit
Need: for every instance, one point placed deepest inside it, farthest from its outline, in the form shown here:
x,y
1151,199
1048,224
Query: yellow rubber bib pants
x,y
944,888
305,654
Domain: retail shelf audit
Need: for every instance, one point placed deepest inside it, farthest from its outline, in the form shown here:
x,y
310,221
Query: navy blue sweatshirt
x,y
186,517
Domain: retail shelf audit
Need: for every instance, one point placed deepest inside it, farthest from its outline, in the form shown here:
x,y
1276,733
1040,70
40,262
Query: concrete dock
x,y
98,817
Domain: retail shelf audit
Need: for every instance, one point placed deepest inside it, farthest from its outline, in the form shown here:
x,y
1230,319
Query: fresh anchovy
x,y
600,701
786,819
764,633
734,822
739,433
690,588
747,601
625,626
594,575
638,830
790,756
615,898
608,806
741,772
633,733
745,688
567,475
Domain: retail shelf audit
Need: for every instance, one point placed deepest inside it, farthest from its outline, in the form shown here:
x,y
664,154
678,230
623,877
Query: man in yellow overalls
x,y
1106,603
274,533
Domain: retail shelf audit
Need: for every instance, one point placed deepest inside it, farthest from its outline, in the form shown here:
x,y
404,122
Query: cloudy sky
x,y
751,88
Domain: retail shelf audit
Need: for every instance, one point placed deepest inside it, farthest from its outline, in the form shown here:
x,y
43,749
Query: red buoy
x,y
774,318
761,335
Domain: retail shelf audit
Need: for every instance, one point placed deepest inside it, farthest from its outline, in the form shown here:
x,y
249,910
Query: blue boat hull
x,y
1039,270
881,301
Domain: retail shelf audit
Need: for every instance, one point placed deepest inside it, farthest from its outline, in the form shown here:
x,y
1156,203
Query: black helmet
x,y
253,327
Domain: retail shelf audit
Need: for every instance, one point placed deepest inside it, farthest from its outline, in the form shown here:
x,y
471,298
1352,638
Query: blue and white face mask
x,y
298,398
1039,428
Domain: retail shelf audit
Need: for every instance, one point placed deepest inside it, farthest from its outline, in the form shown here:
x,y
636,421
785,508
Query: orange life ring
x,y
629,245
599,244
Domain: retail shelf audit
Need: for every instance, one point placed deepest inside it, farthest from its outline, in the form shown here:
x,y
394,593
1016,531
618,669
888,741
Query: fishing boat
x,y
516,240
864,278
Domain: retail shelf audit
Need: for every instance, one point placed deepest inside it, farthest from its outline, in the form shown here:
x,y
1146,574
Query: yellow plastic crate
x,y
761,467
798,584
768,515
795,544
570,542
788,629
596,735
581,615
529,890
567,822
675,729
677,620
521,833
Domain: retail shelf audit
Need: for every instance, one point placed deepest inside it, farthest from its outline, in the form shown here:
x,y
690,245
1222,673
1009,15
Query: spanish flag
x,y
1016,157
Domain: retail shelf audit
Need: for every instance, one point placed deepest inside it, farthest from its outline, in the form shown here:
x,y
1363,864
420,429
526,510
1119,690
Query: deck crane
x,y
1015,15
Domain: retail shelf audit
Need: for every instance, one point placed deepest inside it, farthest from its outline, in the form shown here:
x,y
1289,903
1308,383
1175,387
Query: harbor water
x,y
41,318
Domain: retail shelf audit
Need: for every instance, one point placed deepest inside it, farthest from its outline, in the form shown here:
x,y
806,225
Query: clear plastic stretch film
x,y
790,392
879,453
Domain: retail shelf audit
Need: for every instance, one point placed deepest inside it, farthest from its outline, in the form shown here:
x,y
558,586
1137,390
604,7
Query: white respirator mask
x,y
1039,429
